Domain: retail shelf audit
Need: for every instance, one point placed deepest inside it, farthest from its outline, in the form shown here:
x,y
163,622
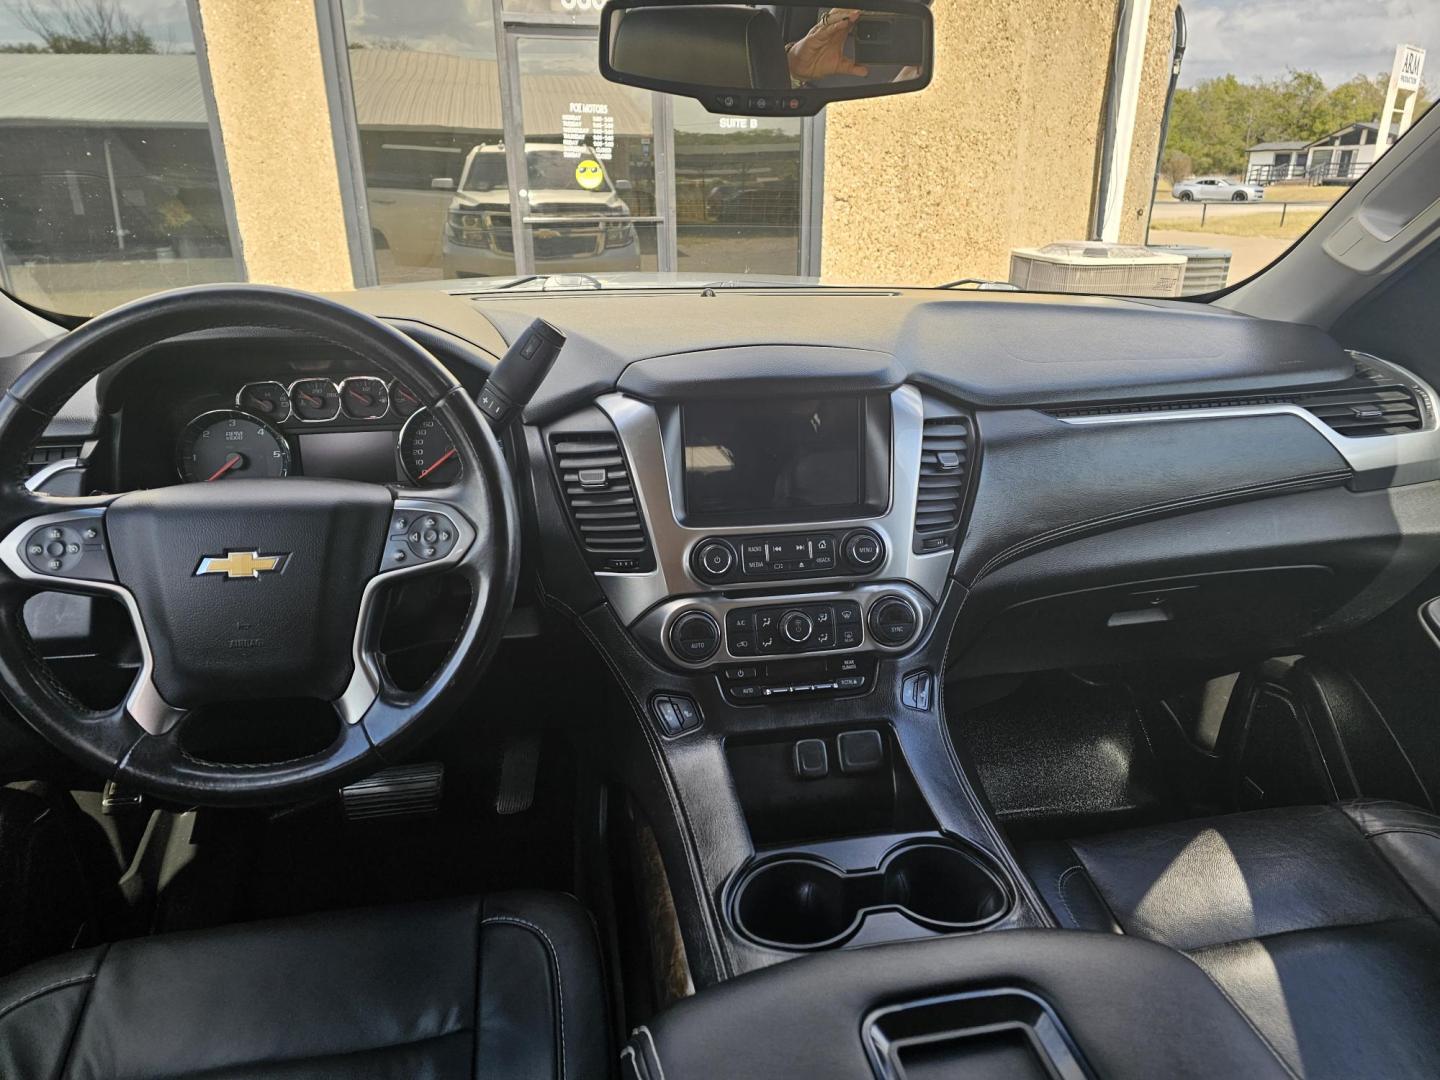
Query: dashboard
x,y
780,490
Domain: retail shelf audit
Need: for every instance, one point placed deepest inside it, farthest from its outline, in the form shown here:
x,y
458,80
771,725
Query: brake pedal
x,y
402,791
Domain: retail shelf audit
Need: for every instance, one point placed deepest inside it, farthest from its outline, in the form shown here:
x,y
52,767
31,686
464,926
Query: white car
x,y
1217,189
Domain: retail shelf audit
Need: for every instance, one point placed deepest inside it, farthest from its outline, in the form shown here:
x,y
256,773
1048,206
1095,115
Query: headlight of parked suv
x,y
619,234
470,227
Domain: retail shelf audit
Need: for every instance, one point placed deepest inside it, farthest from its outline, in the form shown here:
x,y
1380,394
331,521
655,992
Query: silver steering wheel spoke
x,y
425,536
67,550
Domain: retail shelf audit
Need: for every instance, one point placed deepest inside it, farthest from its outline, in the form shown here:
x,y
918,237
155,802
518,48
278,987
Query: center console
x,y
774,562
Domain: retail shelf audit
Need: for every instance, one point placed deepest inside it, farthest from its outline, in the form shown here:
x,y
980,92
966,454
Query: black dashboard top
x,y
990,349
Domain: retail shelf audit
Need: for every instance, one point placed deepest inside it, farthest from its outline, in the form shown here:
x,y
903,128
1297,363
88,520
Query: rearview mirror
x,y
779,59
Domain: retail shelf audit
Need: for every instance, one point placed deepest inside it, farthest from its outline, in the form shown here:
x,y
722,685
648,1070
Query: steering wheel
x,y
245,590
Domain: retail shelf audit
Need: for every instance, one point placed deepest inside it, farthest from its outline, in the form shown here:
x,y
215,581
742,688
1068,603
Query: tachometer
x,y
426,452
227,444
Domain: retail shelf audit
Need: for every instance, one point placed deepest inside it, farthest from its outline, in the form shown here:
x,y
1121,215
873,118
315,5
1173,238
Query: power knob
x,y
713,560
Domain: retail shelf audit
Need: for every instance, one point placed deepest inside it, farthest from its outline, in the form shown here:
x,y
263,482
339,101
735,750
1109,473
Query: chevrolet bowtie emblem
x,y
240,564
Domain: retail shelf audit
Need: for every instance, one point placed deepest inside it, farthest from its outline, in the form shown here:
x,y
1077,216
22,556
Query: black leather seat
x,y
1320,922
509,986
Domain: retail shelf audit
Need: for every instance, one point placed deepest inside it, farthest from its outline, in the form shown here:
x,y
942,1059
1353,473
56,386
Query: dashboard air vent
x,y
46,454
1381,405
944,466
601,501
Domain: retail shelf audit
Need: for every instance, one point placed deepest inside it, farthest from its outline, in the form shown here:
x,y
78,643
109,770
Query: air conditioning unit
x,y
1093,267
1207,269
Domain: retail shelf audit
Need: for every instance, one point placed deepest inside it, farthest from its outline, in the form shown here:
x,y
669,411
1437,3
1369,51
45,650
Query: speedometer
x,y
426,451
228,443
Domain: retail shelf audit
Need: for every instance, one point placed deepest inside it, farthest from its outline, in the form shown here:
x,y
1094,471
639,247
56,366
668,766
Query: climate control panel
x,y
718,559
699,631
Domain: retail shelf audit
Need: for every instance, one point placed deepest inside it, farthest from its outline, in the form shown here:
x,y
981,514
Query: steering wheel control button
x,y
864,550
418,537
695,637
893,621
676,714
714,559
69,549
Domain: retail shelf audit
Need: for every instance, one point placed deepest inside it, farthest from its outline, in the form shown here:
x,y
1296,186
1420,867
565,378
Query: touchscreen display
x,y
772,456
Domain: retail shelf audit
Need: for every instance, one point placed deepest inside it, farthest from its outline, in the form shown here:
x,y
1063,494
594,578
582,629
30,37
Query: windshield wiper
x,y
980,283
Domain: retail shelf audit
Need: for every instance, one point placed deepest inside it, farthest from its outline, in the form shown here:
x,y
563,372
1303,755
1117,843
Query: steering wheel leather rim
x,y
111,742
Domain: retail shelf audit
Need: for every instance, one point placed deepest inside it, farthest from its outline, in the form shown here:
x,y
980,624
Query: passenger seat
x,y
1319,922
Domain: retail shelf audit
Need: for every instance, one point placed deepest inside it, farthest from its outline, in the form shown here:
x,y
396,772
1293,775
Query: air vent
x,y
944,466
47,454
601,501
1364,412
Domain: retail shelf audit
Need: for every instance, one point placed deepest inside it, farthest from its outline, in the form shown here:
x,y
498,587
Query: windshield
x,y
147,144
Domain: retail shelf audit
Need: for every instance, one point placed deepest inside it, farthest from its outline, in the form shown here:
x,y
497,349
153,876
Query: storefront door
x,y
586,160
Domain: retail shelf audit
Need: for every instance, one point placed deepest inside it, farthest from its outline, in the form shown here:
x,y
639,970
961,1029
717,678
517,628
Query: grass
x,y
1246,224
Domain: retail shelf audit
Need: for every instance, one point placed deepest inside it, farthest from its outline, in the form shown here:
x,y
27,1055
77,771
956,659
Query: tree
x,y
1217,120
83,26
1176,166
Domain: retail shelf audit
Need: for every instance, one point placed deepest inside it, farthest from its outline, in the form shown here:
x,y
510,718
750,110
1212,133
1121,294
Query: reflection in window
x,y
737,192
108,182
427,100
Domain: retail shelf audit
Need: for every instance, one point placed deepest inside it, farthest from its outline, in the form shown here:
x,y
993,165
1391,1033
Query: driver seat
x,y
505,986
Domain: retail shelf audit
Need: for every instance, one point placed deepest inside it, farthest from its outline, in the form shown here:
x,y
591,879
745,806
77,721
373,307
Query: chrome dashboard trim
x,y
651,474
1411,458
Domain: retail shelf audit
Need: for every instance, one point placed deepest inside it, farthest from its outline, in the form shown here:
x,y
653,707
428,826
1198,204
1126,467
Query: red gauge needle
x,y
361,397
311,398
230,463
443,458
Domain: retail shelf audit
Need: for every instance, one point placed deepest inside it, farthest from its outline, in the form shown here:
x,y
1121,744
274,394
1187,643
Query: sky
x,y
1337,38
167,21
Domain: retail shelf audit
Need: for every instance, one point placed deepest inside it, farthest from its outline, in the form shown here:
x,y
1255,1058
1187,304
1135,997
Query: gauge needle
x,y
230,463
361,397
311,399
441,461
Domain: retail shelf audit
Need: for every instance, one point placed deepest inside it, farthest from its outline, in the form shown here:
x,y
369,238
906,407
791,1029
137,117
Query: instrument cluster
x,y
319,426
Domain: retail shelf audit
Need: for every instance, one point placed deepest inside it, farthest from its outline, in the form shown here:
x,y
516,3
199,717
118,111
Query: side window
x,y
109,187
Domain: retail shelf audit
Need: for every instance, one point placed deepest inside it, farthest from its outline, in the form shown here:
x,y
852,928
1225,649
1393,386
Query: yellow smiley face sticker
x,y
589,175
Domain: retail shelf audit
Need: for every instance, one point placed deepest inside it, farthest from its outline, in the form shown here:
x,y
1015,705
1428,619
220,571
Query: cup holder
x,y
802,902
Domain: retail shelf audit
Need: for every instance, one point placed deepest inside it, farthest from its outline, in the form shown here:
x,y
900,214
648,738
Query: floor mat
x,y
1061,756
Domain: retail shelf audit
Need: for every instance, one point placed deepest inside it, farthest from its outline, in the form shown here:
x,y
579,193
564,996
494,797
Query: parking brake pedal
x,y
403,791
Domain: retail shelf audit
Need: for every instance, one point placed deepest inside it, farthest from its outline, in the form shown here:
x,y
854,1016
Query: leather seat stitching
x,y
1327,928
654,1048
1244,1016
1060,889
1434,834
73,980
554,956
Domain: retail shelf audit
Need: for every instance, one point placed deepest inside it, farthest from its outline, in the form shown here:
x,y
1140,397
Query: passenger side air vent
x,y
944,467
46,454
1381,406
601,501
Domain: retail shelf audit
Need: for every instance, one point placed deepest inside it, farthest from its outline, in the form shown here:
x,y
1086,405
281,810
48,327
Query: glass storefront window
x,y
427,100
599,187
737,192
108,181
